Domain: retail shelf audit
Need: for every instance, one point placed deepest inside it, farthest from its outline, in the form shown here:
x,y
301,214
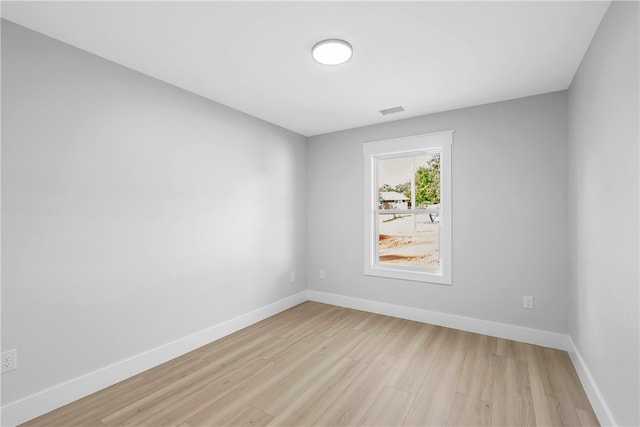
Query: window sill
x,y
408,274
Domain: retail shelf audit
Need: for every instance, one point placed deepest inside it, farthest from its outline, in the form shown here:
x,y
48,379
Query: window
x,y
407,208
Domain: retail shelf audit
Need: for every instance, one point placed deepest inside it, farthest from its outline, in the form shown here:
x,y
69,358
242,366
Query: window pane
x,y
409,240
399,178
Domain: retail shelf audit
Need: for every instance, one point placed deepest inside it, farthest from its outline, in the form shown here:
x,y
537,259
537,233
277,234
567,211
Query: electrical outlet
x,y
322,275
527,302
9,360
293,276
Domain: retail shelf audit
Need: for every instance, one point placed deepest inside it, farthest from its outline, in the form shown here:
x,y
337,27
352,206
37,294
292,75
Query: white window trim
x,y
370,151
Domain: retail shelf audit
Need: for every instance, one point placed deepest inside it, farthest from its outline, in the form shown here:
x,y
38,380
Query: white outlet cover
x,y
9,360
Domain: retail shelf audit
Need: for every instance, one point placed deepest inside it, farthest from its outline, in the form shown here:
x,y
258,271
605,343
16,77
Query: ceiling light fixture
x,y
332,52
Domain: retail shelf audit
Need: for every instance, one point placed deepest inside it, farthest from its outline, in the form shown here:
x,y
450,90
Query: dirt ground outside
x,y
409,241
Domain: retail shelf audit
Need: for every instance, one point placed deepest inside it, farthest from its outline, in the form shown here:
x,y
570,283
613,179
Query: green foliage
x,y
404,189
428,183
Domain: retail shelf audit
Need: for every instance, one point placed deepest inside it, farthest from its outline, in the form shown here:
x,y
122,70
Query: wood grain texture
x,y
321,365
469,411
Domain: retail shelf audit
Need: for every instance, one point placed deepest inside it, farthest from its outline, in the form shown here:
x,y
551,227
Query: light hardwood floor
x,y
317,364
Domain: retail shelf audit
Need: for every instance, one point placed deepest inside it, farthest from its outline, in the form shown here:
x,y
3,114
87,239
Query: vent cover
x,y
392,110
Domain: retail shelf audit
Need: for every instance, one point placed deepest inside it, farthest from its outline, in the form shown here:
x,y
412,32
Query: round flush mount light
x,y
332,52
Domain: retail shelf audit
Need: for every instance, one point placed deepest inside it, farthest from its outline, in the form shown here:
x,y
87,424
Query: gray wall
x,y
603,210
133,213
509,213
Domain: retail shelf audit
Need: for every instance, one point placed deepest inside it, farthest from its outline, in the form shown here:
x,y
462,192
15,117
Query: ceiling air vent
x,y
392,110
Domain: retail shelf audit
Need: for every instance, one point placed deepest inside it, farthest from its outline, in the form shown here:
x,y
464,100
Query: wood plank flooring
x,y
320,365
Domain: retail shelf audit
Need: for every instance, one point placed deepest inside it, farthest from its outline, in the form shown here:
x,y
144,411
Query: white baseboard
x,y
599,405
500,330
486,327
30,407
47,400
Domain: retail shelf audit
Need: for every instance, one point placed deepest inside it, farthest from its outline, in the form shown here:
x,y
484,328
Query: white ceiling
x,y
255,56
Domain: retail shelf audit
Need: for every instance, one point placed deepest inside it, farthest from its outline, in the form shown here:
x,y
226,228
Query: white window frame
x,y
408,146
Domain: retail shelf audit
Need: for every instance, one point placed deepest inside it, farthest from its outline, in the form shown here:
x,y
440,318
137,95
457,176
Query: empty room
x,y
320,213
